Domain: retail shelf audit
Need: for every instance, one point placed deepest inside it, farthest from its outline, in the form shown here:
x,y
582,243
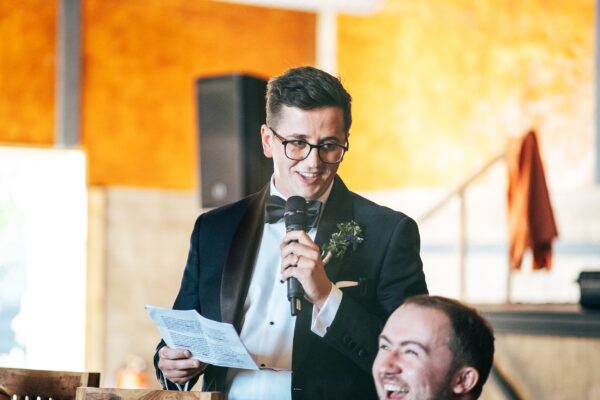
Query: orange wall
x,y
140,61
439,86
27,65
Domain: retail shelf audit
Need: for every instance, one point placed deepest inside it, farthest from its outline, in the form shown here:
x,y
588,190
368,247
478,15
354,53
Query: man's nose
x,y
313,157
392,361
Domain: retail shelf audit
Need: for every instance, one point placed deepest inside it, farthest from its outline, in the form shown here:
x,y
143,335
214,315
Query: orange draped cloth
x,y
531,222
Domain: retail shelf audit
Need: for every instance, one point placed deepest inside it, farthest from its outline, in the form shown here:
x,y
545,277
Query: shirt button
x,y
271,323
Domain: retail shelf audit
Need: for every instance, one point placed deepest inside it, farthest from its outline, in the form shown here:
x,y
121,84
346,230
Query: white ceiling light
x,y
357,7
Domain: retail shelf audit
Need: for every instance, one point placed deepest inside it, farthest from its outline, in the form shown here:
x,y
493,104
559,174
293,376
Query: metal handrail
x,y
460,188
459,191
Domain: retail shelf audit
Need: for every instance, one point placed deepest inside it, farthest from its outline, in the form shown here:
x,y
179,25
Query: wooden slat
x,y
4,393
55,384
84,393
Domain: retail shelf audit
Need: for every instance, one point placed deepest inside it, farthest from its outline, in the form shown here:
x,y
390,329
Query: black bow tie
x,y
275,208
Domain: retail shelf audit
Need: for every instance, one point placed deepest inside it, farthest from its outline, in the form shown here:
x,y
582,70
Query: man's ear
x,y
465,380
267,140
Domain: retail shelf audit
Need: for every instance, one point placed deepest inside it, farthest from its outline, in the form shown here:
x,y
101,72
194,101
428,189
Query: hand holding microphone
x,y
302,265
295,220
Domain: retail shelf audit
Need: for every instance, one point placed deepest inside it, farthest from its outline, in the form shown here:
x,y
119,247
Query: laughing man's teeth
x,y
309,174
394,388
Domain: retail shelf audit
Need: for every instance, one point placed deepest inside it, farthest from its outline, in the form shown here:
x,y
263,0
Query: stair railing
x,y
459,191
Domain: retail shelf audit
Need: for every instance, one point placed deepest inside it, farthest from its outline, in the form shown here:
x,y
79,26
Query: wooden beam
x,y
84,393
68,74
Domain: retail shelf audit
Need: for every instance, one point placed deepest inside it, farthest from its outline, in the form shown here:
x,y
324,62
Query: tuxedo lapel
x,y
239,265
337,209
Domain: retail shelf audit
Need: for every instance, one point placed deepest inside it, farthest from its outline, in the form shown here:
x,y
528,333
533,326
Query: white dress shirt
x,y
268,327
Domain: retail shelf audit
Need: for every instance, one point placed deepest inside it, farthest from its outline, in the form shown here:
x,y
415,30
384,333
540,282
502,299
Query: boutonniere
x,y
348,234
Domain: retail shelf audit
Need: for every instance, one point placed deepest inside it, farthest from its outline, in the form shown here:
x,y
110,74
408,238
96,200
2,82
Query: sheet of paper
x,y
212,342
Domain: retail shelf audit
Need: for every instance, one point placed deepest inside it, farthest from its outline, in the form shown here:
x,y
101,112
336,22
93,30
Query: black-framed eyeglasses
x,y
299,149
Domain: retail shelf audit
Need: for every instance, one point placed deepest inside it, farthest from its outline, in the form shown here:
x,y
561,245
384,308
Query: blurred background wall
x,y
437,86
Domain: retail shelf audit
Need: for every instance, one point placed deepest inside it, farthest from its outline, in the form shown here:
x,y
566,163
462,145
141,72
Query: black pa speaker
x,y
231,109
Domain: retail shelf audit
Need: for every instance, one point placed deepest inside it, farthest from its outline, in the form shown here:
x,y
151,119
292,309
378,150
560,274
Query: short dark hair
x,y
472,340
307,88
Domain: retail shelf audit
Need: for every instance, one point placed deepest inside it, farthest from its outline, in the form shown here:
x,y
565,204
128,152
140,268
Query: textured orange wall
x,y
141,58
27,71
140,61
438,87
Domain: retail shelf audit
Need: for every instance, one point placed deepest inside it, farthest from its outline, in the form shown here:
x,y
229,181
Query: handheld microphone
x,y
295,220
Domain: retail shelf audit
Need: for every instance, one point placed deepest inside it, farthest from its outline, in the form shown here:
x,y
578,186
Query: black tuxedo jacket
x,y
387,265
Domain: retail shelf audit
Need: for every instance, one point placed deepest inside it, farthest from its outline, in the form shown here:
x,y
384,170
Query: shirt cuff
x,y
185,387
168,385
323,318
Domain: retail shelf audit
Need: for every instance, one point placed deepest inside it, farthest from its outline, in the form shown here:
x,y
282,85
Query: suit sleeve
x,y
356,327
187,298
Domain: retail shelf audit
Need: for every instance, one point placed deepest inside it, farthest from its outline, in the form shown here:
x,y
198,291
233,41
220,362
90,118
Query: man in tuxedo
x,y
433,348
240,258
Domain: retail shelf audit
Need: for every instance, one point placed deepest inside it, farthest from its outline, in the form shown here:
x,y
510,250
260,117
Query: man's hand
x,y
298,249
178,366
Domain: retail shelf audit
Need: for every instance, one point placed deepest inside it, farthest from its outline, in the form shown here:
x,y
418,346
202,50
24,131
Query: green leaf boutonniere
x,y
348,234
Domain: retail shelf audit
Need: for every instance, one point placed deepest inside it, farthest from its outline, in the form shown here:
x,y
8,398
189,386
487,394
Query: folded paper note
x,y
212,342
